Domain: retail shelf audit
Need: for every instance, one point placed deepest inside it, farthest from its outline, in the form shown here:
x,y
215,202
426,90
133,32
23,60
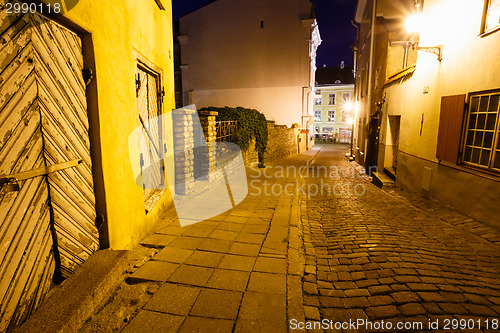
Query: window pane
x,y
496,165
485,157
476,153
488,140
474,104
472,121
478,140
470,138
468,154
483,105
493,15
491,120
481,121
494,103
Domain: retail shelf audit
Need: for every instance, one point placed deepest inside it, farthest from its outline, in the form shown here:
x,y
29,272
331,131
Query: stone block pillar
x,y
205,158
183,151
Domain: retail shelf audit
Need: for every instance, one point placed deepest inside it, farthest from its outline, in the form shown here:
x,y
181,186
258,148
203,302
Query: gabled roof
x,y
334,75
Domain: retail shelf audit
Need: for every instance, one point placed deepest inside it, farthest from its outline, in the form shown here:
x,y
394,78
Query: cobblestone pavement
x,y
290,254
379,255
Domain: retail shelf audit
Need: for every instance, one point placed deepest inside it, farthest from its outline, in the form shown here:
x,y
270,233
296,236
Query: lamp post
x,y
348,106
413,25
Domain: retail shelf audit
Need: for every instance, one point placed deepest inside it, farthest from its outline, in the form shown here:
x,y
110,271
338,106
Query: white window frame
x,y
348,99
334,116
471,146
330,99
316,115
491,6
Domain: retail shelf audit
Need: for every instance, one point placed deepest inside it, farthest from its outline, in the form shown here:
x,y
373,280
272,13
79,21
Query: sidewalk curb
x,y
76,299
296,259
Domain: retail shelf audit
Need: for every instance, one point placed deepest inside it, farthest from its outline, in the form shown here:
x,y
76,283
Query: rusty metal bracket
x,y
42,171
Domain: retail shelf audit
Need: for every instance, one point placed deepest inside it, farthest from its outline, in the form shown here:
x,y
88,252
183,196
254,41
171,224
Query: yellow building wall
x,y
470,63
118,29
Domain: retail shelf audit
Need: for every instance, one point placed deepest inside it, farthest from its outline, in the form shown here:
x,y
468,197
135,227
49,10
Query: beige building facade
x,y
427,103
333,113
256,54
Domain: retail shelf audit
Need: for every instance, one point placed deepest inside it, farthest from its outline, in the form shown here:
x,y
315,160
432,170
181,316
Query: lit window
x,y
318,100
492,15
318,115
331,99
346,97
345,115
483,132
331,115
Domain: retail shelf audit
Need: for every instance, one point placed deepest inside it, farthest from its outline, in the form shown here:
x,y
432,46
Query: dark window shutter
x,y
450,127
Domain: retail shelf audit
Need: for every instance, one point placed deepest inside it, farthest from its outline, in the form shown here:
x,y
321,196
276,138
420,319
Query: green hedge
x,y
251,124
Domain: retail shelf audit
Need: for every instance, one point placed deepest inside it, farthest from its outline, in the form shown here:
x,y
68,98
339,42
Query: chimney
x,y
342,64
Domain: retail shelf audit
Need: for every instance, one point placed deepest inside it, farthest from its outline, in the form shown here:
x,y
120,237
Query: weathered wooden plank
x,y
45,42
11,152
17,267
39,256
54,96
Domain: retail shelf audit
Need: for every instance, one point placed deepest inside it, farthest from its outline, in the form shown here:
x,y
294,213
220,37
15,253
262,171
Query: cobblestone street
x,y
378,255
314,245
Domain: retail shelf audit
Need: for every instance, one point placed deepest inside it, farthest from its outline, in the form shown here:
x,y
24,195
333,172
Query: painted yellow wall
x,y
118,29
470,63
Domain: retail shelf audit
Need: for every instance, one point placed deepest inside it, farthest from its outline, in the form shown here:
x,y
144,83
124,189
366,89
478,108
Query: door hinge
x,y
161,93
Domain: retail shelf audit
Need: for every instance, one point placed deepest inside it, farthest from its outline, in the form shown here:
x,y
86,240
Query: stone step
x,y
381,180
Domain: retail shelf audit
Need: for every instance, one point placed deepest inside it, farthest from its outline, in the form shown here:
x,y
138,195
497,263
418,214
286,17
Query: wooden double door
x,y
47,213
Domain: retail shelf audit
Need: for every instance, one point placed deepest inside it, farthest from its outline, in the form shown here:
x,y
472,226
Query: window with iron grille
x,y
482,145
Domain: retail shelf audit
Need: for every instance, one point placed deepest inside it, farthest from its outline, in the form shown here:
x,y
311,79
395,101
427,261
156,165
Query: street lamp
x,y
349,106
414,25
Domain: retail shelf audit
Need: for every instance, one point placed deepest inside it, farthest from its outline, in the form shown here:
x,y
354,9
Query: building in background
x,y
261,55
427,99
333,107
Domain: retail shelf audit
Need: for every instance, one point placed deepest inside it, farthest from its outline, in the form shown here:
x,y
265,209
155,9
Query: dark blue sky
x,y
334,20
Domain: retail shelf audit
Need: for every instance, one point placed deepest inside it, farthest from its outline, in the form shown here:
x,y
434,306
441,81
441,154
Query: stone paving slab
x,y
225,274
149,321
376,256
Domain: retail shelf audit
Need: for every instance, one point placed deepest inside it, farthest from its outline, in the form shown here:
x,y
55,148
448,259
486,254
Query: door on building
x,y
392,144
151,144
48,223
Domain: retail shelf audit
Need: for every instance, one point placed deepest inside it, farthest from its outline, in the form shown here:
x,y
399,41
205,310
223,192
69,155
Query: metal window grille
x,y
226,131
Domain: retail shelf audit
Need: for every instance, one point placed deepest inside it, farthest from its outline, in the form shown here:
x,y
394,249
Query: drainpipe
x,y
372,56
355,51
370,154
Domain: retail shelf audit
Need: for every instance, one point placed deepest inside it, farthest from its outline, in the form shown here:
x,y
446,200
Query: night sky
x,y
334,19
